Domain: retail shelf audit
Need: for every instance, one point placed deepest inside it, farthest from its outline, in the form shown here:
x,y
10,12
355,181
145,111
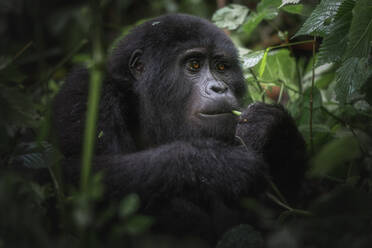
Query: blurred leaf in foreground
x,y
334,154
231,16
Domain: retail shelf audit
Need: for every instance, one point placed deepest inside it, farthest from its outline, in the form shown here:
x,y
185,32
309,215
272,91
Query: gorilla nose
x,y
215,87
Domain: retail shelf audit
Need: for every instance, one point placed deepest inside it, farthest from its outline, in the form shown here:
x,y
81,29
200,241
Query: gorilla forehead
x,y
178,32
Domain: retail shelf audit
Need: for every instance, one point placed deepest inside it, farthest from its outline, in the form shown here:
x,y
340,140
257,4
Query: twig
x,y
21,51
258,84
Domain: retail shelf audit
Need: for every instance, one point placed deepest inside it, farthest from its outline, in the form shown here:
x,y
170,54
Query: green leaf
x,y
285,2
350,77
252,22
280,68
360,35
320,19
334,154
269,8
252,59
293,9
345,7
138,224
129,205
263,63
231,16
334,45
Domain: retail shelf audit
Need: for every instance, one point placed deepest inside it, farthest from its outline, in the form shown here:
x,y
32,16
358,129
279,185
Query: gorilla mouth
x,y
215,114
221,109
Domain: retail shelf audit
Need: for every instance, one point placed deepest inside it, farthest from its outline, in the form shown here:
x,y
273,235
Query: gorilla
x,y
166,130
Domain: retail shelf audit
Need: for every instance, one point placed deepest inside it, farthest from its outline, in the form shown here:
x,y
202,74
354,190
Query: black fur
x,y
188,174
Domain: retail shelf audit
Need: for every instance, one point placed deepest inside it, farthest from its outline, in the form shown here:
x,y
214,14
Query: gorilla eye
x,y
193,65
221,66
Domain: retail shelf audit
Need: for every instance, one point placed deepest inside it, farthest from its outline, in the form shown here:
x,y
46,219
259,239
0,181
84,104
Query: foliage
x,y
329,94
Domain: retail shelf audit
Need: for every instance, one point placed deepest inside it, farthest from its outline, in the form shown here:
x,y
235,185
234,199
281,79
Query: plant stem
x,y
96,76
258,84
292,44
311,100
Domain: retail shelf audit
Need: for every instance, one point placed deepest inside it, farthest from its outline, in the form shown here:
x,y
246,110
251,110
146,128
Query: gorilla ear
x,y
135,64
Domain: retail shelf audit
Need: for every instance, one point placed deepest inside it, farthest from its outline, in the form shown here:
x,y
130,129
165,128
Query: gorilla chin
x,y
220,126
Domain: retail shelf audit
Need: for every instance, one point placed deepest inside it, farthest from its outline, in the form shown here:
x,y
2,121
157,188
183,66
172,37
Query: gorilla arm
x,y
193,170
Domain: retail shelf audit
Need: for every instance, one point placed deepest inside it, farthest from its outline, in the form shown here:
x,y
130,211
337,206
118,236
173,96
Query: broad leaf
x,y
252,59
280,68
270,8
320,19
350,78
252,22
345,7
231,16
334,154
360,36
285,2
293,9
334,45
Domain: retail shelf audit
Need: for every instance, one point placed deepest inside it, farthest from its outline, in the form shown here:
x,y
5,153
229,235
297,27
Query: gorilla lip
x,y
221,114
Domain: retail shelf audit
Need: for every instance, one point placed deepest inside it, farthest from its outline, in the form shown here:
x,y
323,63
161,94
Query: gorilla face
x,y
187,84
211,76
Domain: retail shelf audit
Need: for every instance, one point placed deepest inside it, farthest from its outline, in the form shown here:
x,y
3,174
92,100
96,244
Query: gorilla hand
x,y
271,131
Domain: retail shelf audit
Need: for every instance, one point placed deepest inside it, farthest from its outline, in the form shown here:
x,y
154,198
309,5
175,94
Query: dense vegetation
x,y
313,58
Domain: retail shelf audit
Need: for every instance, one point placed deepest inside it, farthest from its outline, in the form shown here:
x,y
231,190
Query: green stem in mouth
x,y
235,112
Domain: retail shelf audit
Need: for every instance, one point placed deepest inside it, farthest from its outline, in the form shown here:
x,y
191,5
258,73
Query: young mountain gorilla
x,y
169,134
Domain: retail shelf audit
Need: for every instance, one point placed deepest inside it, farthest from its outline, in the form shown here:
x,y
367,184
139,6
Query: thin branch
x,y
21,51
258,84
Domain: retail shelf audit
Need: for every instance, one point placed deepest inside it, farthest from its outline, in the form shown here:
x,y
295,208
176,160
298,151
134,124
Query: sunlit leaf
x,y
320,19
345,7
285,2
231,16
252,59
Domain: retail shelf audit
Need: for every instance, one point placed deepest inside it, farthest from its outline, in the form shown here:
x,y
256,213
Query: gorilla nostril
x,y
219,89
